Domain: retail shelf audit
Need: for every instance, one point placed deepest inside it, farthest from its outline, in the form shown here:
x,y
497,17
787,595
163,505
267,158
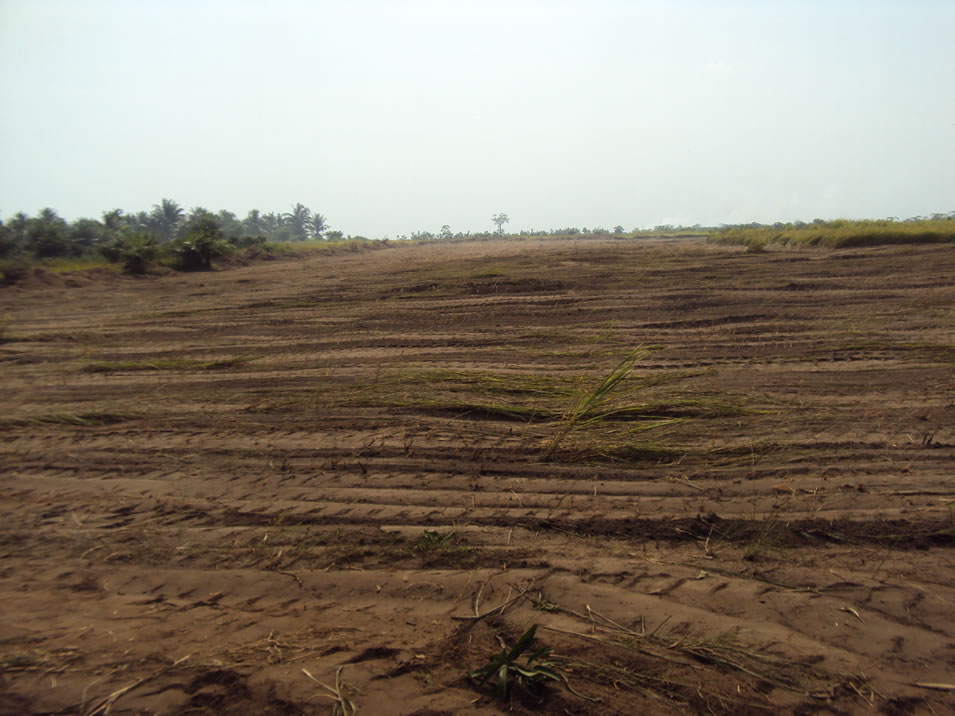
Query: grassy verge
x,y
841,233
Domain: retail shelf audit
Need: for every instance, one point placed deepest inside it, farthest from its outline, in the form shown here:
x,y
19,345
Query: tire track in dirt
x,y
337,498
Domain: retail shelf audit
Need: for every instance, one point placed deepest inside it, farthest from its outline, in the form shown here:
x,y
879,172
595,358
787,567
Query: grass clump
x,y
434,541
506,668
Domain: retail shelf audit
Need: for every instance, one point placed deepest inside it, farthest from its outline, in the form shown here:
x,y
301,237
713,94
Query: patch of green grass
x,y
165,364
432,540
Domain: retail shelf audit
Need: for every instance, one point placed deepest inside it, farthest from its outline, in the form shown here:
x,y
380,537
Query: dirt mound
x,y
31,277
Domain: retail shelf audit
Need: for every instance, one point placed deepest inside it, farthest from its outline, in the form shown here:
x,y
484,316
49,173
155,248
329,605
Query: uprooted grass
x,y
592,406
603,657
606,422
263,542
166,364
86,419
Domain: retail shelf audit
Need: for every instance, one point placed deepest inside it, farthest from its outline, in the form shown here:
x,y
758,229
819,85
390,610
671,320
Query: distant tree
x,y
47,235
229,223
136,250
140,221
87,233
270,223
500,220
318,225
113,219
17,232
446,232
166,218
298,219
7,244
200,220
253,224
618,229
201,240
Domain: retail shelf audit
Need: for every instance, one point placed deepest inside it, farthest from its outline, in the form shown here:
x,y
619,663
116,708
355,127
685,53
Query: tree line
x,y
189,239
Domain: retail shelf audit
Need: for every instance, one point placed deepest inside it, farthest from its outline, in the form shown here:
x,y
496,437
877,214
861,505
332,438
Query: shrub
x,y
247,242
196,251
138,252
134,251
12,271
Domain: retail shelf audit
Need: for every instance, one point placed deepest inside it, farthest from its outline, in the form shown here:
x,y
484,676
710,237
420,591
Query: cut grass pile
x,y
841,233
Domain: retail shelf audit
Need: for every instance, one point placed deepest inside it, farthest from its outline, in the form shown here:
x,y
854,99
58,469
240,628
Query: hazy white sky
x,y
390,116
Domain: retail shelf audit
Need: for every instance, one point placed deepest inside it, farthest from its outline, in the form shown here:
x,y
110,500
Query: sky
x,y
395,116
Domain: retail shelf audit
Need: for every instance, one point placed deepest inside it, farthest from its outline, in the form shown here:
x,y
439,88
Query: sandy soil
x,y
219,489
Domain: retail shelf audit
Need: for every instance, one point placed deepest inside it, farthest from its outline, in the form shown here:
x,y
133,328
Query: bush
x,y
135,251
8,243
196,251
247,242
12,271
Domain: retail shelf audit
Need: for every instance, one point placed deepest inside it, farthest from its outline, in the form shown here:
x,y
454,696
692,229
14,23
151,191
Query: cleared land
x,y
215,483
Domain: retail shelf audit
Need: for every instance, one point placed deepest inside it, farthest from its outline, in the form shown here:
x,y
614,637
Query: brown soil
x,y
219,489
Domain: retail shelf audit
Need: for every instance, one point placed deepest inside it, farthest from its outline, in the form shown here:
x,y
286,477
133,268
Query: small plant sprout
x,y
505,669
433,540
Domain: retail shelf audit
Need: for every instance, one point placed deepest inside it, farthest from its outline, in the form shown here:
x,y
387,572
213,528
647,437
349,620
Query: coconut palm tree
x,y
166,217
298,220
253,224
317,226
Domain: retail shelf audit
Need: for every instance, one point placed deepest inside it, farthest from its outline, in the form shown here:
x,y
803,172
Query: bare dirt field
x,y
376,471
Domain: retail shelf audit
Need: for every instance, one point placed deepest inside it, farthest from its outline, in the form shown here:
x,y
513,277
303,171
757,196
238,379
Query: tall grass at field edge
x,y
841,233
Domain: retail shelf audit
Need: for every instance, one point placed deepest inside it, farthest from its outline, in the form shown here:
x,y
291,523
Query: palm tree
x,y
166,217
317,226
253,224
18,225
231,226
140,221
47,235
298,220
113,219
